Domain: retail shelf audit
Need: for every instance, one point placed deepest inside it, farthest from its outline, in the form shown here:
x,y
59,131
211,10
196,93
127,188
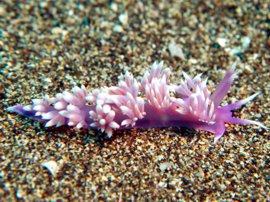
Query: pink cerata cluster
x,y
145,103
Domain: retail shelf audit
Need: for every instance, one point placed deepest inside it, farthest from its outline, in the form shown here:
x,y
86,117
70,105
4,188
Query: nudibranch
x,y
145,103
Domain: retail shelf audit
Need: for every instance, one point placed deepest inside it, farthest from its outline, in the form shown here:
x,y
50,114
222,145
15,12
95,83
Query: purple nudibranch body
x,y
150,102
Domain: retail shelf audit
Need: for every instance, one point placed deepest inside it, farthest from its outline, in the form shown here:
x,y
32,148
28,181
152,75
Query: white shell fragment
x,y
176,50
51,166
123,18
118,28
222,42
164,166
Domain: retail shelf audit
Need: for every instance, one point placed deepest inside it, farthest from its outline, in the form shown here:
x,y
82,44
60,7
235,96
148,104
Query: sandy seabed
x,y
47,47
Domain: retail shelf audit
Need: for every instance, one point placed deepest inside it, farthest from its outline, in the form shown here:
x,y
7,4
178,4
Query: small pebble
x,y
59,31
245,42
2,11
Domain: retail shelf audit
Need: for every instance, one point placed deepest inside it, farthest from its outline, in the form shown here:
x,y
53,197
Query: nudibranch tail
x,y
239,104
20,109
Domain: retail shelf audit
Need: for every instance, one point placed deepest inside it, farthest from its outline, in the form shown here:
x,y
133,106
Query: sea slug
x,y
145,103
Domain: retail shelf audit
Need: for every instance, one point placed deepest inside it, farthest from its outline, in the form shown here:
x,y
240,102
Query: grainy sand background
x,y
47,47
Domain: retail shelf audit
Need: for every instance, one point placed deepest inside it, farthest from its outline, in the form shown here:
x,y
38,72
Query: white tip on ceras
x,y
73,108
49,115
39,108
79,125
250,98
37,101
27,108
106,109
114,125
126,122
68,97
102,122
60,105
50,123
